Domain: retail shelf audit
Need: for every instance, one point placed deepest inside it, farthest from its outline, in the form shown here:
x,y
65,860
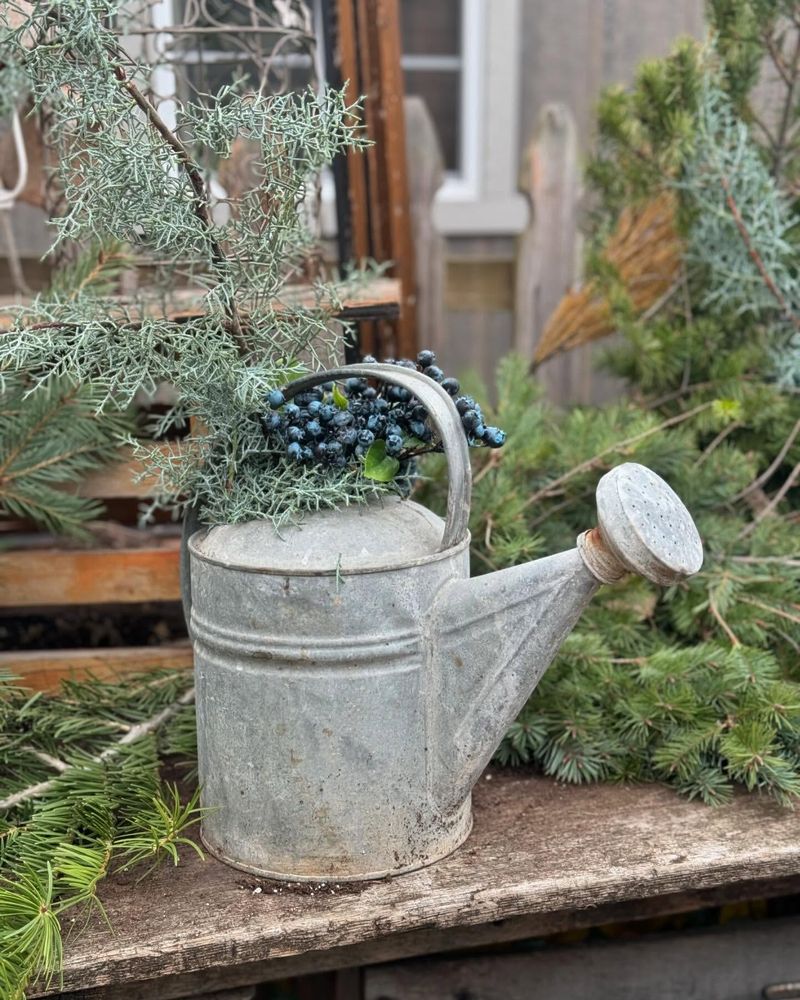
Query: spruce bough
x,y
80,797
696,686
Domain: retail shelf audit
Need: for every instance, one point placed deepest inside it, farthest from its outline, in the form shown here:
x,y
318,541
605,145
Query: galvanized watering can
x,y
353,681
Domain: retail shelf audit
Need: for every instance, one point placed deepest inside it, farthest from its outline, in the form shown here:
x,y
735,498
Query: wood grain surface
x,y
538,850
36,577
372,294
43,670
720,963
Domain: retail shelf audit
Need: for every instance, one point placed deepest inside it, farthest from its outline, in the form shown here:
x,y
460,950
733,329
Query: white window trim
x,y
483,198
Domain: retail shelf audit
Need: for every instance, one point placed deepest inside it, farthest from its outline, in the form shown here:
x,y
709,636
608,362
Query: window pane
x,y
431,27
441,91
225,39
208,71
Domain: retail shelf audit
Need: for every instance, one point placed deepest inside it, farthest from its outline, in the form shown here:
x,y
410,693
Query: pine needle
x,y
106,808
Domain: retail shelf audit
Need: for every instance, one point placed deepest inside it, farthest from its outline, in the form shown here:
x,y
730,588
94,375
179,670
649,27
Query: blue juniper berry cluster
x,y
334,425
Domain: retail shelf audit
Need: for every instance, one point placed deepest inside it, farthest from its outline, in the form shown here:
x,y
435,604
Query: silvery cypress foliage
x,y
742,231
128,177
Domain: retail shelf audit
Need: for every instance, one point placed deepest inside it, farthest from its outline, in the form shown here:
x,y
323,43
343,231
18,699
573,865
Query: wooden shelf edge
x,y
374,296
44,670
59,577
538,851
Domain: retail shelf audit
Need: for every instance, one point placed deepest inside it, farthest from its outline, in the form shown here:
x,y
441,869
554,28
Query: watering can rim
x,y
346,568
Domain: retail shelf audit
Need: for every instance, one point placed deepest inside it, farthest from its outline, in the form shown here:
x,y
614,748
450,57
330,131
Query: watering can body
x,y
313,697
353,681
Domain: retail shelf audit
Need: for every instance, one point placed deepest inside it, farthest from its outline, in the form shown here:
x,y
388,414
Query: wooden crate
x,y
38,573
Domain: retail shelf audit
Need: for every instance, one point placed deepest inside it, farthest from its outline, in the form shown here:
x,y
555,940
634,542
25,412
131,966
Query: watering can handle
x,y
445,418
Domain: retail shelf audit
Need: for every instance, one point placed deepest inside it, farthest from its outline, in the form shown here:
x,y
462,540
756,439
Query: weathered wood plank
x,y
118,481
721,963
346,56
368,54
480,284
548,250
44,670
95,576
537,849
383,31
434,940
425,177
374,294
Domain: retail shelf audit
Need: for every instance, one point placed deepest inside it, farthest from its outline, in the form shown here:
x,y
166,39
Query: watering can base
x,y
435,849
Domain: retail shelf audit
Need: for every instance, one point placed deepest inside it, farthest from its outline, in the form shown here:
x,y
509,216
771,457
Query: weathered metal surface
x,y
312,715
353,682
646,526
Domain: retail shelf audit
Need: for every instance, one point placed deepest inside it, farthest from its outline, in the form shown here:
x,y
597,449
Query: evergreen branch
x,y
63,457
99,270
31,792
590,463
150,725
717,440
712,607
787,111
131,178
773,467
33,430
773,503
201,198
686,389
135,733
46,758
49,438
777,59
492,462
102,807
772,610
780,560
56,510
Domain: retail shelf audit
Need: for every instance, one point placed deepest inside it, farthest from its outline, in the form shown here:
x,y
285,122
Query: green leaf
x,y
413,443
339,398
378,465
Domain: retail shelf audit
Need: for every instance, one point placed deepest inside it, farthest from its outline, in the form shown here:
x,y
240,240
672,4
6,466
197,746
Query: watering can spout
x,y
492,637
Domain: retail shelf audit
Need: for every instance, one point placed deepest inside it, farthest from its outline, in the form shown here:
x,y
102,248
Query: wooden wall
x,y
571,49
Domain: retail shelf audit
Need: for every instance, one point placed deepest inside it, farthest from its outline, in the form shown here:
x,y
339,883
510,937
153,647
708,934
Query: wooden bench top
x,y
542,857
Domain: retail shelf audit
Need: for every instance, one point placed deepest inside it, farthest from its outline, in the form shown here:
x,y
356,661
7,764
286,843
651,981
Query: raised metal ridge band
x,y
301,649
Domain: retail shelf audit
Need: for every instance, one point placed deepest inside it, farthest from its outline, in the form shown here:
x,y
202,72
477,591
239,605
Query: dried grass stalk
x,y
646,251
